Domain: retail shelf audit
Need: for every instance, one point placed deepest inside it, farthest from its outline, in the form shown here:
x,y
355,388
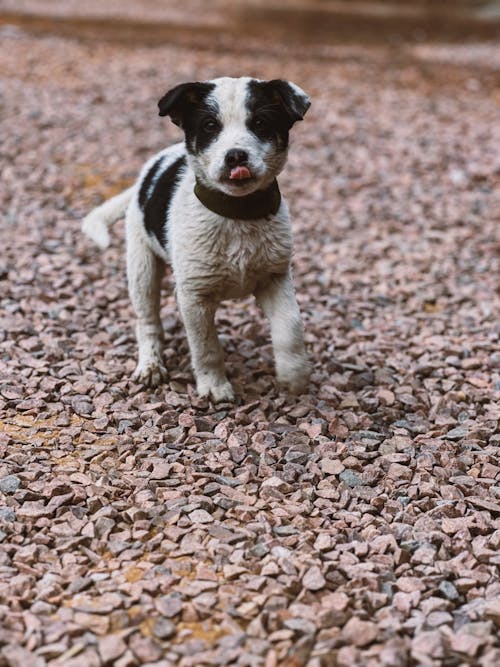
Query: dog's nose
x,y
236,157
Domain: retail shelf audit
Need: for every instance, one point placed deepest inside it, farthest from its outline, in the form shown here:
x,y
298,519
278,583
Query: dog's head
x,y
236,129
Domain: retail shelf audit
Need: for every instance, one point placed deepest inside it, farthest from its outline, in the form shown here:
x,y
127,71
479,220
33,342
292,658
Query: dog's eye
x,y
210,125
260,122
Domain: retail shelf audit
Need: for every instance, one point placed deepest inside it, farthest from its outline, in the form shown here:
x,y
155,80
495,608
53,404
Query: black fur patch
x,y
187,106
146,183
273,110
157,206
201,128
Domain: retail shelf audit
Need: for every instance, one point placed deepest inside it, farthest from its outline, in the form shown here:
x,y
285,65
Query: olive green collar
x,y
258,204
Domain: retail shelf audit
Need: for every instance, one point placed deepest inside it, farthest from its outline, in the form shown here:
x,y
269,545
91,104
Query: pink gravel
x,y
358,524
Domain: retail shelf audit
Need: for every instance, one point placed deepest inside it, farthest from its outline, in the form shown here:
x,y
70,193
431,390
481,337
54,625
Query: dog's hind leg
x,y
144,273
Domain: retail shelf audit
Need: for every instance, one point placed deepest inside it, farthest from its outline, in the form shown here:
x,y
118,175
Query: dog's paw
x,y
150,375
295,378
295,387
217,391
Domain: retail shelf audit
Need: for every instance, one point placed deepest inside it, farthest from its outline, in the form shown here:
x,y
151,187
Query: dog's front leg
x,y
277,299
206,353
144,272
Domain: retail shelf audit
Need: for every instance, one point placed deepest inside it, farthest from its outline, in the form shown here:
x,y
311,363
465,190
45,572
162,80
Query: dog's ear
x,y
293,99
182,99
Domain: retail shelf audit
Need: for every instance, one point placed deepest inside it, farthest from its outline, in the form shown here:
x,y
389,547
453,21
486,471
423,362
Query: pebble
x,y
111,648
359,633
350,479
9,484
169,606
332,466
201,516
313,579
448,590
7,514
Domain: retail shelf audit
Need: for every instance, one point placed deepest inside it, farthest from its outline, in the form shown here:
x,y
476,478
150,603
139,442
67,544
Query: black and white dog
x,y
211,207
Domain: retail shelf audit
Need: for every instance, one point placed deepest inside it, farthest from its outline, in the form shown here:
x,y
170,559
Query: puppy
x,y
211,207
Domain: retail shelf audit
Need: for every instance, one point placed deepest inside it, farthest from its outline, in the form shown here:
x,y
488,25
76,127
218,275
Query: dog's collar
x,y
258,204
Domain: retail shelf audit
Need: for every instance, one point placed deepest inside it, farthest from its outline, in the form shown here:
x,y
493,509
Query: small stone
x,y
194,588
161,470
9,484
410,584
437,618
387,396
103,525
259,550
323,542
96,623
332,466
232,571
427,645
98,605
465,643
117,546
111,647
164,629
448,590
271,569
7,514
201,516
51,651
82,406
285,530
33,509
145,648
313,579
424,554
280,552
397,471
169,605
237,453
223,534
275,483
358,632
300,625
456,433
350,478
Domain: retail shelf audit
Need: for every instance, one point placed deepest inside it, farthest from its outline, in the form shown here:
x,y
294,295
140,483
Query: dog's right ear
x,y
182,99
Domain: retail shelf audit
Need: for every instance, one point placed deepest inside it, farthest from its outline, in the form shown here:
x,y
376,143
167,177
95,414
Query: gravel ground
x,y
357,525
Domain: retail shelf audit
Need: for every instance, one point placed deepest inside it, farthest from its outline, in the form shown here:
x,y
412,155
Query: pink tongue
x,y
240,173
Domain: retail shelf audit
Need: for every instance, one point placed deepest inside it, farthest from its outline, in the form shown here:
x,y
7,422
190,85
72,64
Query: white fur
x,y
213,258
95,224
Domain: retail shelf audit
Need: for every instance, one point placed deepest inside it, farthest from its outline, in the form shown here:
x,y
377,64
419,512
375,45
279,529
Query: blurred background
x,y
310,21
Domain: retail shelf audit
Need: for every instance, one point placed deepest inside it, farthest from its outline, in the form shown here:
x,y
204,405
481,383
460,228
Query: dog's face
x,y
236,129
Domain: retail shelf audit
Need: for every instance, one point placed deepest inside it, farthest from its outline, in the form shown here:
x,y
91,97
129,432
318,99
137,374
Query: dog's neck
x,y
258,204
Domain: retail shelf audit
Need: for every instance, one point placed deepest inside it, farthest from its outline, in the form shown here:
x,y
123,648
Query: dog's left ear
x,y
181,99
293,99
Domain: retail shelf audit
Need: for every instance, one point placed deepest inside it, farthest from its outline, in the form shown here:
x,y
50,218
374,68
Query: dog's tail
x,y
95,224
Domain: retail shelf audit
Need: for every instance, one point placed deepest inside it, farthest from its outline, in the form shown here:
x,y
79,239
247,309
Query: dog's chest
x,y
230,259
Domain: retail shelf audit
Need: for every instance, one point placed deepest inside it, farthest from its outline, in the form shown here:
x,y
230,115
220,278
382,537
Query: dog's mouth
x,y
239,176
240,173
